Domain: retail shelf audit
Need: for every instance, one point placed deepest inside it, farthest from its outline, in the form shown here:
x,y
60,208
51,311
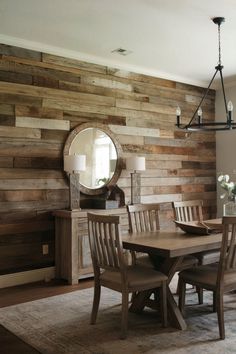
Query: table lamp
x,y
135,163
73,164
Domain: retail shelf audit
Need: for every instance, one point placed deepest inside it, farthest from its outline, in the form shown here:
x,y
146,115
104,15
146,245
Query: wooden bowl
x,y
193,227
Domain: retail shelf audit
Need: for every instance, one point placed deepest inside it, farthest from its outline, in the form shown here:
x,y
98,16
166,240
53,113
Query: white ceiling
x,y
174,39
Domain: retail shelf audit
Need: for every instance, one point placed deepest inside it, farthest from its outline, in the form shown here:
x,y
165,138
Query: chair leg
x,y
214,302
163,303
182,291
124,315
220,314
200,295
96,300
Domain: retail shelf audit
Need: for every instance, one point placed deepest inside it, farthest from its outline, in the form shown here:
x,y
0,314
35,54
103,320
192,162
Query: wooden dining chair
x,y
111,271
191,210
219,278
145,217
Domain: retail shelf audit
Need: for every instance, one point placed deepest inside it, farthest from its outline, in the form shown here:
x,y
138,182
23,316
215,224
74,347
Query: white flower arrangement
x,y
229,187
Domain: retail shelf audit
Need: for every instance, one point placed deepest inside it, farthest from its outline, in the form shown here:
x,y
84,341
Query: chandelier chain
x,y
219,44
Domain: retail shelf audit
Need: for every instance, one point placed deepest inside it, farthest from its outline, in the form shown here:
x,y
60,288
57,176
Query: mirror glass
x,y
101,156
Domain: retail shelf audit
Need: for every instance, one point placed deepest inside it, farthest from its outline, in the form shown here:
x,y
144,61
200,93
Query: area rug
x,y
60,325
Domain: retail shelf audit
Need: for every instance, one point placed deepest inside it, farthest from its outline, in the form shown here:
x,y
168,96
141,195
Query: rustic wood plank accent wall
x,y
43,97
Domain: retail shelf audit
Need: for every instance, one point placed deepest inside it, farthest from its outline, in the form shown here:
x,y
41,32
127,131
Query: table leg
x,y
142,299
174,314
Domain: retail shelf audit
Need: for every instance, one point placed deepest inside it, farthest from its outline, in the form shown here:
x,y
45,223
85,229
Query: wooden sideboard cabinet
x,y
73,260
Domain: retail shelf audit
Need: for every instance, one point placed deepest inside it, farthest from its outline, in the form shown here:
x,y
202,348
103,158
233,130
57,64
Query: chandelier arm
x,y
223,90
205,94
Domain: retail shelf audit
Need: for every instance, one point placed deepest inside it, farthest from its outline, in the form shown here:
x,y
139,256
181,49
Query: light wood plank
x,y
14,132
42,123
137,131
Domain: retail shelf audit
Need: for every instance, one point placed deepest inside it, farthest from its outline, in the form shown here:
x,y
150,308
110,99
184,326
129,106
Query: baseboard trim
x,y
30,276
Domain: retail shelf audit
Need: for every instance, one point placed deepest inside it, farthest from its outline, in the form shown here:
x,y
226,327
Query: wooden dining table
x,y
170,247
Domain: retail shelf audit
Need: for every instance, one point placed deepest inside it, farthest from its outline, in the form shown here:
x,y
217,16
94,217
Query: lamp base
x,y
74,197
135,188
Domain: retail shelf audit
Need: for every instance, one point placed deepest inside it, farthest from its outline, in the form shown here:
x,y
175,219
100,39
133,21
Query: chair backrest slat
x,y
228,249
143,217
105,242
190,210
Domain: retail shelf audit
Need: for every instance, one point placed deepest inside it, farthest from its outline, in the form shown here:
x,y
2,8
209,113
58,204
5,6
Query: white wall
x,y
225,143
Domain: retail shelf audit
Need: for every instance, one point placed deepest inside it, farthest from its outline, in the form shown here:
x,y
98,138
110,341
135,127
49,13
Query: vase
x,y
229,208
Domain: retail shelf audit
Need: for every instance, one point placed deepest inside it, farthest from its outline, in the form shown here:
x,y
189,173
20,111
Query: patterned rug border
x,y
60,325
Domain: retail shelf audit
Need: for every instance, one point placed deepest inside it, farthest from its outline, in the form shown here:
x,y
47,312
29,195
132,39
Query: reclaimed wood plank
x,y
37,112
16,77
6,161
15,132
7,173
22,195
42,123
72,105
25,66
33,183
27,149
33,205
141,77
45,92
41,162
138,131
103,91
7,121
20,100
7,109
20,52
106,82
72,63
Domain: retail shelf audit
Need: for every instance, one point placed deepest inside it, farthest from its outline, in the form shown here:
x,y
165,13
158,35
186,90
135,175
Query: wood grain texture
x,y
43,97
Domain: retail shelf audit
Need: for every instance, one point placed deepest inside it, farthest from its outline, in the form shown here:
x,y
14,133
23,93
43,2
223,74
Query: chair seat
x,y
137,277
208,257
206,276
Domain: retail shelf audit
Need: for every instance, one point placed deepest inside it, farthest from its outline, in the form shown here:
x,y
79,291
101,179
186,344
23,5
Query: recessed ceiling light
x,y
122,51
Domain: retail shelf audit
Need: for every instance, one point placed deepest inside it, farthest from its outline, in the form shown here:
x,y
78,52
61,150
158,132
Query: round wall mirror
x,y
102,151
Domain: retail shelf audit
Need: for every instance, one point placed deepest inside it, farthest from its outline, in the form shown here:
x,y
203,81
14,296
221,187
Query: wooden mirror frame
x,y
117,172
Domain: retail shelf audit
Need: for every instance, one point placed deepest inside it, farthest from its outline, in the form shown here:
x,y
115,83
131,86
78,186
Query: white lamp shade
x,y
74,163
135,163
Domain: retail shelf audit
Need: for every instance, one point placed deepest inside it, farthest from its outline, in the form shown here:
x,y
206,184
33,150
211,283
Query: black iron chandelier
x,y
196,123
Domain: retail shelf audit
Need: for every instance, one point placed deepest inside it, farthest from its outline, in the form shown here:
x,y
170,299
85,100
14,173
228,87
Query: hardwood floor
x,y
11,344
34,291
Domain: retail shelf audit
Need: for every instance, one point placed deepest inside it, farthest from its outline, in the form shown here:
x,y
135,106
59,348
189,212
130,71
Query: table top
x,y
171,243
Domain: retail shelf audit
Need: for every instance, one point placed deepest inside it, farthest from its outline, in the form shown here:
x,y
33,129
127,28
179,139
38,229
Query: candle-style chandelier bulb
x,y
178,111
199,112
178,114
230,106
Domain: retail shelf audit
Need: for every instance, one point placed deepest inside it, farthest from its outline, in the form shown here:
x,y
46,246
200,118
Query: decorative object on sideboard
x,y
113,198
73,164
196,123
117,194
135,163
229,207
